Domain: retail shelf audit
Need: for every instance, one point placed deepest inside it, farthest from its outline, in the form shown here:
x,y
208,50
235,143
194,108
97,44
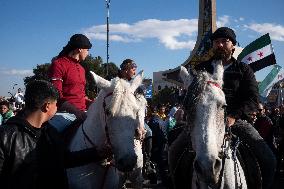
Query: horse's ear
x,y
101,82
137,81
185,76
218,71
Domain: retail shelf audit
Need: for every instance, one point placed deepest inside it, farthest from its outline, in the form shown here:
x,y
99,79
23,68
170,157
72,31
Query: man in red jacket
x,y
68,76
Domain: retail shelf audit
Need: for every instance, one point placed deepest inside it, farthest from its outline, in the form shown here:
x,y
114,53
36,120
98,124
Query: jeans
x,y
61,121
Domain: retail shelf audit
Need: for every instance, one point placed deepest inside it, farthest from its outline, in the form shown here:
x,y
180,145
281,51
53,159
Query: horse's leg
x,y
180,162
136,175
261,150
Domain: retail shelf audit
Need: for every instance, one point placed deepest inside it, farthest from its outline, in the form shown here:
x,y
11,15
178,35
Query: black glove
x,y
70,108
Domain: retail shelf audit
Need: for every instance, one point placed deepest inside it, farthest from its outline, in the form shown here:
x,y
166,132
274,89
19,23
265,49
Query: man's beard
x,y
221,54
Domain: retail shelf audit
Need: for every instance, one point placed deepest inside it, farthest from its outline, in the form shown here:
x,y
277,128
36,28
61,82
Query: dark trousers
x,y
265,157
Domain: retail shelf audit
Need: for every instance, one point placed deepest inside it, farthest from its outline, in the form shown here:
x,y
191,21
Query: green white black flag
x,y
275,75
258,54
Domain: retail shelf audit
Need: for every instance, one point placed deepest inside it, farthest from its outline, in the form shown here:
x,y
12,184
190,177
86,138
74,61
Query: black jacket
x,y
240,88
36,158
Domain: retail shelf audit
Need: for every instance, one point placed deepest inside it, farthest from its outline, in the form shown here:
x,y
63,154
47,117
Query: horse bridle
x,y
214,84
224,154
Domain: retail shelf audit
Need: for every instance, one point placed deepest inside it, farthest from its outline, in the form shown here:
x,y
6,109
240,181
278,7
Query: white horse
x,y
112,119
216,164
135,176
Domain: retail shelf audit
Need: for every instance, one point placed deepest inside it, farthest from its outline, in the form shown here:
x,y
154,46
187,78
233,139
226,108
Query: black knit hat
x,y
224,32
79,41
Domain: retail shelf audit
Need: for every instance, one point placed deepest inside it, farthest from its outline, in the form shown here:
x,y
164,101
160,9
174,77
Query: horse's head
x,y
204,104
121,112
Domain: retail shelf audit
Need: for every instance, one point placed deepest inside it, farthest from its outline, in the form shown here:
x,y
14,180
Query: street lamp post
x,y
107,6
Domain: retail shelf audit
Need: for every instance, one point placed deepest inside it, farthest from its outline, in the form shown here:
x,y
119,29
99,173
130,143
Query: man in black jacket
x,y
32,153
241,92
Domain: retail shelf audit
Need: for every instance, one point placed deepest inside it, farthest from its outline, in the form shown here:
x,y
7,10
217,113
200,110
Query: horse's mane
x,y
117,95
121,99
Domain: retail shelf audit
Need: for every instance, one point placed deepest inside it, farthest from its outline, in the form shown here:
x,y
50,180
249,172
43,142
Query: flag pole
x,y
107,6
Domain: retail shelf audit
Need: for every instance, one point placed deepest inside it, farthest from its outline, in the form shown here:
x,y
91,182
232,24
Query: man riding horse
x,y
241,93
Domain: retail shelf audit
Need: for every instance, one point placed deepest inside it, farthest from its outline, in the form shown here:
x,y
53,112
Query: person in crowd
x,y
5,111
180,123
19,99
127,69
127,72
264,126
32,153
171,121
251,118
68,76
241,93
158,125
275,116
267,110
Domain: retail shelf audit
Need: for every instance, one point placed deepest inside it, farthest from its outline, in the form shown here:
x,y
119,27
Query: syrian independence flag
x,y
275,75
258,54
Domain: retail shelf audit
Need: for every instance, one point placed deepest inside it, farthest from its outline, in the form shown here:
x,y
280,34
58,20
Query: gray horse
x,y
210,158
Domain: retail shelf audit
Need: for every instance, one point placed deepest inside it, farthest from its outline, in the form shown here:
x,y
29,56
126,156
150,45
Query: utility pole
x,y
107,6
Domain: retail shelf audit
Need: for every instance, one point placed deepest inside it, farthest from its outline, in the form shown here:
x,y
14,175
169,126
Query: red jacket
x,y
68,76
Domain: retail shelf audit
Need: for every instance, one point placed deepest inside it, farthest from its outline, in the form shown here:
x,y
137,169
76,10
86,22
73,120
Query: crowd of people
x,y
49,108
269,122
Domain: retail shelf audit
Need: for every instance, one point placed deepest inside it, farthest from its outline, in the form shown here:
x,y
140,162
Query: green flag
x,y
275,75
258,54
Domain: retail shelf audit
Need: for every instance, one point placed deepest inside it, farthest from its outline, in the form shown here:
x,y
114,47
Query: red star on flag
x,y
260,54
250,58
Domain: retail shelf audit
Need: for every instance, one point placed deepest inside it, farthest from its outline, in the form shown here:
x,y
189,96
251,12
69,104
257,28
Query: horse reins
x,y
224,154
106,113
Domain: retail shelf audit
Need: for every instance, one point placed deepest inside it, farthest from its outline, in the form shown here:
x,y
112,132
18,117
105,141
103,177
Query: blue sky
x,y
157,34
